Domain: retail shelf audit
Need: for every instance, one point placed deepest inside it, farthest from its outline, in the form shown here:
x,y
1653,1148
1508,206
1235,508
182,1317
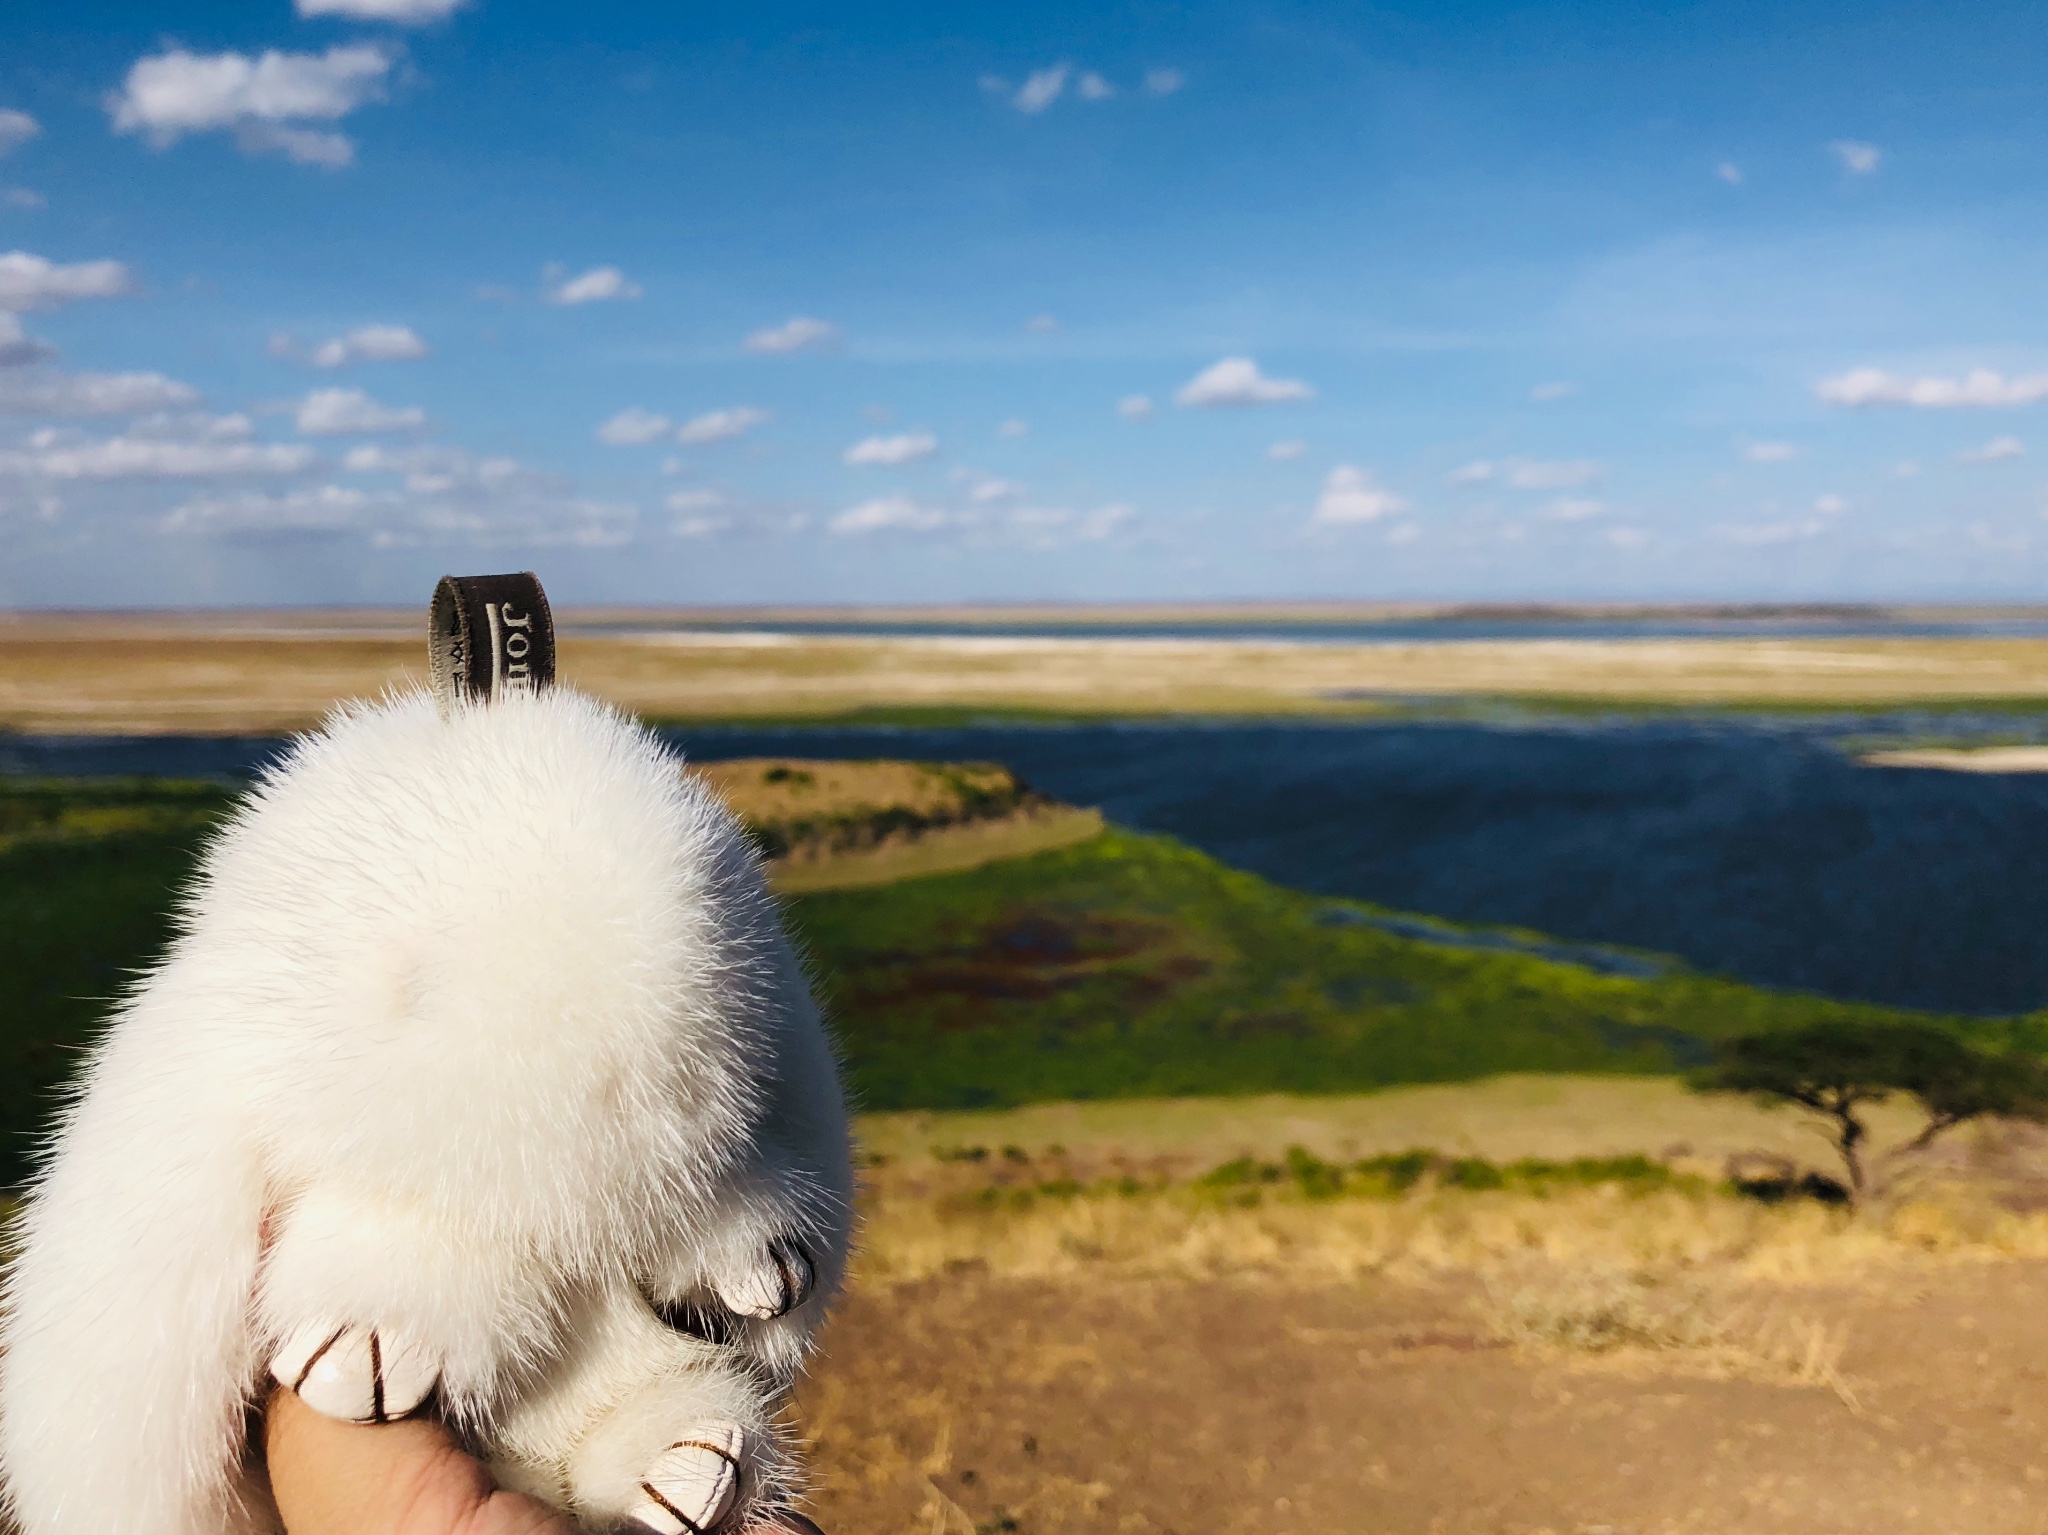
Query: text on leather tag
x,y
489,636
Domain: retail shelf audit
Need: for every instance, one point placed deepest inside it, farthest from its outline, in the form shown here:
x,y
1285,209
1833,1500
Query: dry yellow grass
x,y
222,673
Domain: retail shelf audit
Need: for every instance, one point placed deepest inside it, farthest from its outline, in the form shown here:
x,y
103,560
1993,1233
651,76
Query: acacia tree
x,y
1837,1069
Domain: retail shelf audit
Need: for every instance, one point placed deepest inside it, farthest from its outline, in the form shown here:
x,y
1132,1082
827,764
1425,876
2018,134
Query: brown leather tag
x,y
489,636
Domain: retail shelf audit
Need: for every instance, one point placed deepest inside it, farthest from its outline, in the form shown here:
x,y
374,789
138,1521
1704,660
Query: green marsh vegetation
x,y
1120,967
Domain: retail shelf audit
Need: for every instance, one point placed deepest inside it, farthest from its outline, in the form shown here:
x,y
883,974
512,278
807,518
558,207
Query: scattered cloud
x,y
94,394
1041,88
1286,449
1543,394
16,129
399,13
132,456
17,347
1551,474
887,514
798,334
1627,538
718,425
904,448
598,285
698,514
448,496
1994,450
1238,381
1044,324
350,412
1351,495
1729,172
23,197
35,282
260,100
992,489
1135,407
1014,427
633,426
1764,533
1980,387
1830,505
1857,157
314,509
1092,87
366,343
1478,472
1164,82
1573,509
1770,452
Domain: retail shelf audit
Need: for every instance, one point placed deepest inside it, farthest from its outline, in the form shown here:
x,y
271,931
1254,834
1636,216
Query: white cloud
x,y
400,13
1551,474
1406,533
1041,88
1238,381
1043,324
1135,407
450,497
633,426
988,489
1830,505
1770,452
152,458
697,514
1092,87
904,448
317,509
259,99
36,282
718,425
16,129
1352,495
94,394
1857,157
1729,172
17,347
1544,394
1766,533
1014,427
1286,449
596,286
350,412
1994,450
1478,472
1164,82
23,197
794,335
1573,509
890,514
1980,387
1905,469
369,343
1627,538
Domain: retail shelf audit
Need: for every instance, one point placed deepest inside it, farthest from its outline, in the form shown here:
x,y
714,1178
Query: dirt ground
x,y
967,1403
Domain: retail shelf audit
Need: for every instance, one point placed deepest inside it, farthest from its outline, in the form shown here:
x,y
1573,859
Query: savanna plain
x,y
1193,1202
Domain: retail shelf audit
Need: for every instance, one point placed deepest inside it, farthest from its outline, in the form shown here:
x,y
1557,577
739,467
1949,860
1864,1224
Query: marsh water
x,y
1760,849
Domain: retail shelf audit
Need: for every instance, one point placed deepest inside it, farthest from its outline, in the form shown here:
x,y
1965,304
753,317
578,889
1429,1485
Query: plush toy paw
x,y
357,1374
778,1282
694,1482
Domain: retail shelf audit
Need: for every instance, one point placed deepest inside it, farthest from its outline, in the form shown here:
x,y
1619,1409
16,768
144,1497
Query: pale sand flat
x,y
1980,759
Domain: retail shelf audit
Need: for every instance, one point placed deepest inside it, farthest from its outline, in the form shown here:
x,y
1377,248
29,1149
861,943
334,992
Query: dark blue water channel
x,y
1755,849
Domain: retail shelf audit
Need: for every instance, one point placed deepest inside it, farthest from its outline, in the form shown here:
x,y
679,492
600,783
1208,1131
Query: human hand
x,y
405,1478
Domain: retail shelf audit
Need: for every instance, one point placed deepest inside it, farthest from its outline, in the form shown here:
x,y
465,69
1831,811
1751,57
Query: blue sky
x,y
674,303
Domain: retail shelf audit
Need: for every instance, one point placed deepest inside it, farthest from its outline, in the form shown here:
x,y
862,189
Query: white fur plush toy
x,y
480,1079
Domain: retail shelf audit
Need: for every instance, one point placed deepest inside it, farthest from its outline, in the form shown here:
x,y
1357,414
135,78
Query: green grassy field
x,y
1125,966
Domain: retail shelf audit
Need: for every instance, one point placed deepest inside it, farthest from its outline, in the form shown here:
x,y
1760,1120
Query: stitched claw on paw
x,y
694,1482
777,1284
357,1374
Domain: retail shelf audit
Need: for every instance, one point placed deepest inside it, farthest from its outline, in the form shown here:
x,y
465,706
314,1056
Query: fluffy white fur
x,y
481,1031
